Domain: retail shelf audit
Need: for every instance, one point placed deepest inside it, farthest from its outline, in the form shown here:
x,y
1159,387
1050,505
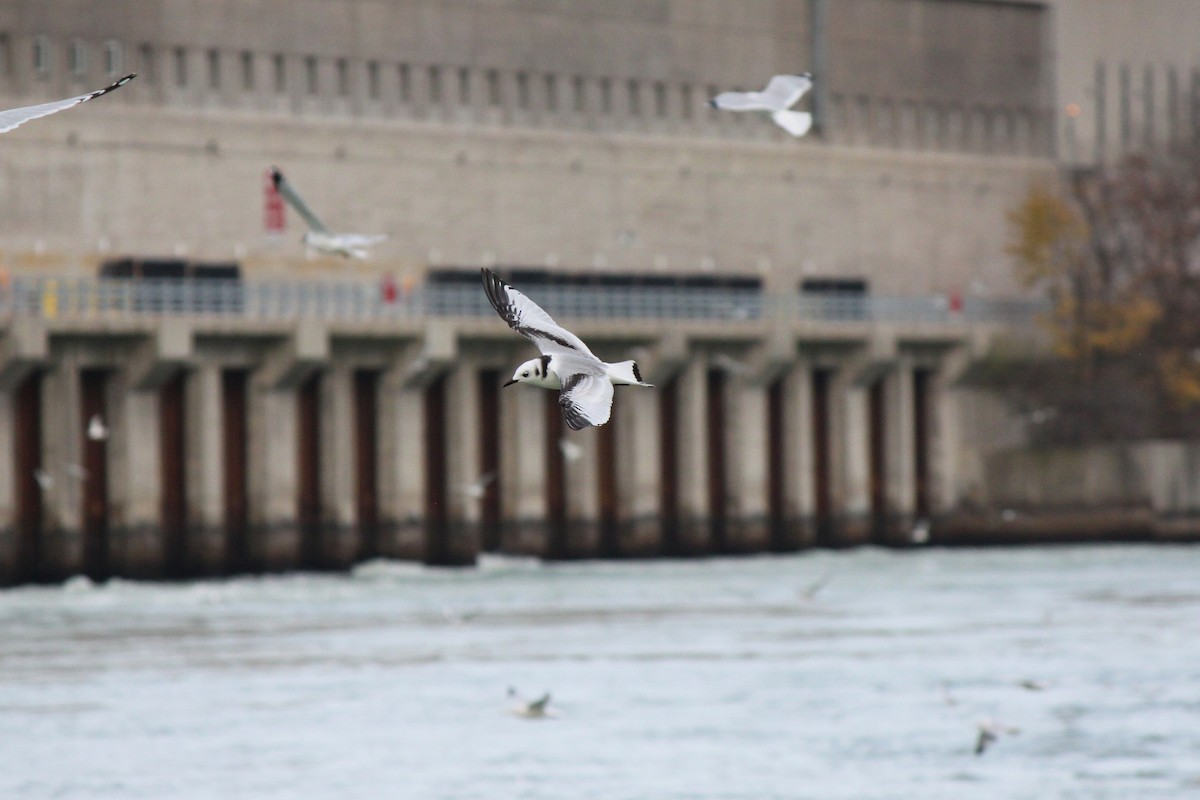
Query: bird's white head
x,y
536,371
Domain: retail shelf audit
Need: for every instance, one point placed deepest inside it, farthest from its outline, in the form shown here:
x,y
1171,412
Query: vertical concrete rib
x,y
337,483
523,457
638,466
205,437
401,472
692,453
274,536
462,462
746,454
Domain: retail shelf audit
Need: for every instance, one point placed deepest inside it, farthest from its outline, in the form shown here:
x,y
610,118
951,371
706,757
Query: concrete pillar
x,y
851,490
639,459
401,467
583,496
62,551
462,461
523,463
746,448
339,523
693,456
205,467
799,465
136,546
271,474
901,443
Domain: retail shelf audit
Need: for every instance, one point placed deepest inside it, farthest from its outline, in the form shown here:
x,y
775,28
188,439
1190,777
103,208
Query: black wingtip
x,y
712,103
637,373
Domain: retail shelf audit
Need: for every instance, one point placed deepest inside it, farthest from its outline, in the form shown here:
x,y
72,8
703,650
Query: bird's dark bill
x,y
510,383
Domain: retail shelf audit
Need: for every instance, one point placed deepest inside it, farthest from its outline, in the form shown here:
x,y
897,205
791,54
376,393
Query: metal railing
x,y
83,298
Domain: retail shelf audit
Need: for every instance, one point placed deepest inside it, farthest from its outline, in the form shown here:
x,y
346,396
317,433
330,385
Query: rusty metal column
x,y
234,458
366,462
491,515
437,513
94,510
173,473
716,450
27,468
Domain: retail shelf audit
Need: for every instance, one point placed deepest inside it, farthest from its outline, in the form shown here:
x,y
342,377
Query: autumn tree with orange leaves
x,y
1117,250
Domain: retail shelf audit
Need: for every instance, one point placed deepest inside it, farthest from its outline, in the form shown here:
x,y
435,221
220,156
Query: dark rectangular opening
x,y
606,489
234,450
308,472
668,444
437,549
366,461
922,413
877,457
172,428
490,512
822,468
777,437
556,479
717,477
93,384
27,464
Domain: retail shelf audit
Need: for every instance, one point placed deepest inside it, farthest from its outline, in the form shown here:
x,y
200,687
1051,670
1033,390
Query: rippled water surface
x,y
858,674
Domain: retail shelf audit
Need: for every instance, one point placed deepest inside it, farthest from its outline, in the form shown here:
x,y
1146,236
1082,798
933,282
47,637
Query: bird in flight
x,y
319,237
15,117
782,92
585,382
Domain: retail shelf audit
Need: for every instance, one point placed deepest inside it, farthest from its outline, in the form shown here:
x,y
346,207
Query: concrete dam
x,y
172,428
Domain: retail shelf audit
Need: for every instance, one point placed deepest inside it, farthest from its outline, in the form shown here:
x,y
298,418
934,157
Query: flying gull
x,y
15,117
319,237
782,92
97,431
566,363
989,730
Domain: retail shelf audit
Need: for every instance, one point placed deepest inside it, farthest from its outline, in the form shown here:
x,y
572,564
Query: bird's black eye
x,y
525,374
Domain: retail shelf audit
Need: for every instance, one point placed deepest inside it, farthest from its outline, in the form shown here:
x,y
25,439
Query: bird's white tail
x,y
626,372
796,123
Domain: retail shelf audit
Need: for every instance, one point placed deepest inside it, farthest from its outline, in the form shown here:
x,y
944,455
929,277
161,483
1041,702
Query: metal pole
x,y
820,67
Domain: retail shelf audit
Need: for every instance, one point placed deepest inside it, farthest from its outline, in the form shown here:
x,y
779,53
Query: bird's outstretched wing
x,y
586,400
528,319
15,117
784,91
293,199
797,123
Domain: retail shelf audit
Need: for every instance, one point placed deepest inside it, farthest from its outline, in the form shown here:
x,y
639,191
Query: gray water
x,y
673,679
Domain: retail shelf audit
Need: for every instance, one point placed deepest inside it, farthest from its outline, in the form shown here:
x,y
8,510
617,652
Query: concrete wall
x,y
174,163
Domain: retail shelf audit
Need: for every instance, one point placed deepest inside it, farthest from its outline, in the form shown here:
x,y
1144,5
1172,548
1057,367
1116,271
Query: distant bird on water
x,y
782,92
566,363
319,237
530,709
15,117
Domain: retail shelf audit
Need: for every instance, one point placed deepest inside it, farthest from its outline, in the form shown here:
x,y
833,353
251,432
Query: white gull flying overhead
x,y
319,237
566,363
782,92
15,117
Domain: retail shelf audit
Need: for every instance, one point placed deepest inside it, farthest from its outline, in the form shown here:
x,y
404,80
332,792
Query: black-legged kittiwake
x,y
566,363
15,117
782,92
319,237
